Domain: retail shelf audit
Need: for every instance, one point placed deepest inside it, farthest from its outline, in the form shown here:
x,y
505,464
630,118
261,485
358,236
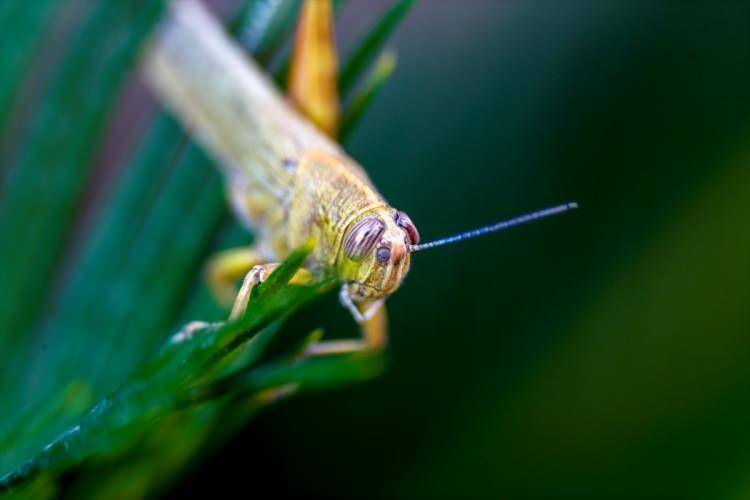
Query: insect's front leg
x,y
373,324
221,274
372,318
255,277
225,268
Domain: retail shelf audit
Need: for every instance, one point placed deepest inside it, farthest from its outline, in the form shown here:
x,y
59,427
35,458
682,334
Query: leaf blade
x,y
371,44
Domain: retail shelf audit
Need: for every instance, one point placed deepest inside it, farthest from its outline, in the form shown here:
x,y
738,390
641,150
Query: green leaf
x,y
311,374
364,96
46,179
21,23
371,44
284,273
160,386
113,310
262,26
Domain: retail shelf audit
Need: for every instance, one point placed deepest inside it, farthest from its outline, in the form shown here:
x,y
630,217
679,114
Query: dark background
x,y
604,352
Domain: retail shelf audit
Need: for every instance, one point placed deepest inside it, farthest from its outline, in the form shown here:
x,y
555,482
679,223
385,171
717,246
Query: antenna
x,y
500,226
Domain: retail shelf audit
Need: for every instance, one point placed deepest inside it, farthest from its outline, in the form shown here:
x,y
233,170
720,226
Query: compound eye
x,y
383,255
361,239
404,222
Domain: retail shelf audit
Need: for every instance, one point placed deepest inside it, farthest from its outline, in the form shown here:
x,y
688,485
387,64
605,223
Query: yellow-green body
x,y
325,195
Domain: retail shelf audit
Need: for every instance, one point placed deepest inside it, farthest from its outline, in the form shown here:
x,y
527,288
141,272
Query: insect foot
x,y
345,299
253,278
187,331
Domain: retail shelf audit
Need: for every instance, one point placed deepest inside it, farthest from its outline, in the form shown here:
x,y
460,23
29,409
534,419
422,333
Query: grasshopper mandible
x,y
286,180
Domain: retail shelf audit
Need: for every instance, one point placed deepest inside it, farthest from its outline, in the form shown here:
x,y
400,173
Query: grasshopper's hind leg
x,y
313,88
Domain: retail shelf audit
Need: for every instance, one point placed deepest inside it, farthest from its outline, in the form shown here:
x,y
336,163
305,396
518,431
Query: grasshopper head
x,y
374,254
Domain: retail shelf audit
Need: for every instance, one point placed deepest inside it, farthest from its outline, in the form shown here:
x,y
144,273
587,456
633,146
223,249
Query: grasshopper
x,y
286,180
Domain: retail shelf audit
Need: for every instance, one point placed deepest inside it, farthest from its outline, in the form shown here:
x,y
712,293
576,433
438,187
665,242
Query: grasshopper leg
x,y
256,276
371,318
187,331
373,325
313,83
226,267
373,339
